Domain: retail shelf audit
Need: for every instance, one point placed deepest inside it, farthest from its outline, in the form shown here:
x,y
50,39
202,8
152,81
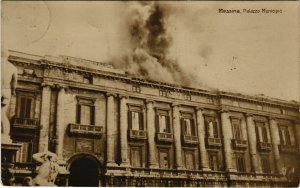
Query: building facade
x,y
109,128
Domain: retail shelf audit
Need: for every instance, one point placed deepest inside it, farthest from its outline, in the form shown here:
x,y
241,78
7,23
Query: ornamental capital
x,y
249,115
109,94
271,118
122,96
175,105
199,108
224,110
148,101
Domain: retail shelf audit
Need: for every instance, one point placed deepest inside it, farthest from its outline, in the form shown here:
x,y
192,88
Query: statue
x,y
9,84
48,170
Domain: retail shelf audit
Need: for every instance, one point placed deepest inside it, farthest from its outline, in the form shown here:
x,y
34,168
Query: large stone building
x,y
109,128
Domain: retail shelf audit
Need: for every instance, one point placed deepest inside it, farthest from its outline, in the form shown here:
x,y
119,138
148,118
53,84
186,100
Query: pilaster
x,y
275,141
123,130
45,118
201,136
227,135
176,128
252,141
151,135
110,130
60,127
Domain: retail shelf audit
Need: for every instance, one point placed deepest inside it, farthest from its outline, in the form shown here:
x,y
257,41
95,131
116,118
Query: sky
x,y
242,53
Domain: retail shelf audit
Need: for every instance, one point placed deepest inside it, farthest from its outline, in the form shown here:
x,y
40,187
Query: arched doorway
x,y
84,172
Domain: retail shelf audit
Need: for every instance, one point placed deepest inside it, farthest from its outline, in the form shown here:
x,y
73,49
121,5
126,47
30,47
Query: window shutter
x,y
28,108
206,123
168,124
141,121
292,135
92,115
157,123
280,136
22,107
216,135
193,128
129,120
183,128
257,134
78,113
264,133
288,137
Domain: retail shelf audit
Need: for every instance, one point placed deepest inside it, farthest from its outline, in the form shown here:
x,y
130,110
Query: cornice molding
x,y
42,63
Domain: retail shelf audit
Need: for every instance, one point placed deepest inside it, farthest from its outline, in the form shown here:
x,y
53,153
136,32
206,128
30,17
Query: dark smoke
x,y
150,43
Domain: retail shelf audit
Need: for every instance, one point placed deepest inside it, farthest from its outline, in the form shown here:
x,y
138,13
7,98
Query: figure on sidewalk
x,y
48,170
9,83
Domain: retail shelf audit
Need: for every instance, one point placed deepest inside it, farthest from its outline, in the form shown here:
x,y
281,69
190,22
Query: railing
x,y
189,139
85,129
165,137
213,142
264,146
137,134
26,123
288,148
239,144
24,167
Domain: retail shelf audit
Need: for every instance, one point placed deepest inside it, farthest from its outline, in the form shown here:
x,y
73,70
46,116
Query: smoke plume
x,y
149,44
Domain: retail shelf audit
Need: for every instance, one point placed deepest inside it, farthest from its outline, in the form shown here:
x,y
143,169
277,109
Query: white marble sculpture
x,y
9,83
48,170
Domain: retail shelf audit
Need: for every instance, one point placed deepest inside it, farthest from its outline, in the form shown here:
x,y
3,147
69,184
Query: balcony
x,y
165,137
288,148
85,130
137,134
213,142
239,144
264,146
25,123
189,139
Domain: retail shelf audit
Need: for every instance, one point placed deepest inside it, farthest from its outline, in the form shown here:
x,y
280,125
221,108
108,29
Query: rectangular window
x,y
189,160
162,120
240,163
211,127
163,93
261,132
88,79
163,123
188,127
136,89
25,107
136,120
265,164
237,129
26,152
136,156
213,161
164,158
284,135
85,114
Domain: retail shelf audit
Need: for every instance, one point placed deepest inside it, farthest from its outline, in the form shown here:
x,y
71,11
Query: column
x,y
60,127
110,130
151,135
275,141
176,128
297,133
123,130
227,135
201,137
45,118
252,141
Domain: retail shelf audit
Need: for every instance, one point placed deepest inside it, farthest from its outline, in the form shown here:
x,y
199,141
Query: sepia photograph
x,y
150,93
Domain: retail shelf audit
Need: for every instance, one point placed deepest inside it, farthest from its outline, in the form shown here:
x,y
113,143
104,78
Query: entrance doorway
x,y
84,172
